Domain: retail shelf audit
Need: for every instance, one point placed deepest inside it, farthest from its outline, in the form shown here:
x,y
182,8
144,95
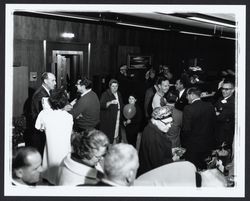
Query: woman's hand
x,y
112,102
128,121
176,157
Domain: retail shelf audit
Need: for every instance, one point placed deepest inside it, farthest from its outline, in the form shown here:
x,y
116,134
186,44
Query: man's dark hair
x,y
183,81
58,99
160,79
86,82
44,76
85,142
229,80
20,157
194,90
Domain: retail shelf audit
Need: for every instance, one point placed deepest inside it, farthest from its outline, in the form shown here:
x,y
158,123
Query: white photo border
x,y
240,67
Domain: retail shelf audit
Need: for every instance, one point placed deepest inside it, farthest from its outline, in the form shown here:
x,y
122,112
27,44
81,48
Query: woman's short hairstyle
x,y
119,159
58,99
113,81
85,142
86,82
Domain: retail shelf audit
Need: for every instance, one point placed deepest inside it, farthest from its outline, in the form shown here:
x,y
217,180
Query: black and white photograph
x,y
125,100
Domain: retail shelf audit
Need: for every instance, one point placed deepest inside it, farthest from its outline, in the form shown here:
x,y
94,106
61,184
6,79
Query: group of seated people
x,y
92,162
84,145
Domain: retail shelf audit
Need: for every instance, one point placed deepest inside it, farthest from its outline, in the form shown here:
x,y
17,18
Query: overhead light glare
x,y
68,35
193,33
64,15
211,21
229,38
142,26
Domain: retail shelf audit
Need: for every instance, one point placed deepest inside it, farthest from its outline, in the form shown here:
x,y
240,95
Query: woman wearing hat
x,y
111,105
155,148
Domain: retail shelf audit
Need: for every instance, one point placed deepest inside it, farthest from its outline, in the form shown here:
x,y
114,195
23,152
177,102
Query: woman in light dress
x,y
57,124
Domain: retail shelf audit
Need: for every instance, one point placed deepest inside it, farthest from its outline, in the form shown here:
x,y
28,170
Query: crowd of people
x,y
80,143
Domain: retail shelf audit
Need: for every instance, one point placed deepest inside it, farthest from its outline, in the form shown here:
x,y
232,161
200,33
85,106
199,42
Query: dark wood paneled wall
x,y
110,46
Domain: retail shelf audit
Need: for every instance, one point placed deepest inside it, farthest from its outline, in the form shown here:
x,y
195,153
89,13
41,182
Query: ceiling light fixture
x,y
211,21
68,35
142,26
63,15
193,33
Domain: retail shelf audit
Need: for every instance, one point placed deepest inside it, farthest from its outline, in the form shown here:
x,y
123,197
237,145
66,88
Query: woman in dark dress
x,y
133,125
111,105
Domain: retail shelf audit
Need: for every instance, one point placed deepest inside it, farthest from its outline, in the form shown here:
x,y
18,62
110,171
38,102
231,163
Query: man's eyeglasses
x,y
226,89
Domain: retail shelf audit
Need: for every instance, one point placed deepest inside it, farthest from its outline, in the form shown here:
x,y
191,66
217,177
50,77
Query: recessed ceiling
x,y
172,21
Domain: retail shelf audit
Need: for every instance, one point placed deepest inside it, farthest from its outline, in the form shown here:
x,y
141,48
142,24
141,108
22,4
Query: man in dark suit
x,y
182,101
225,115
48,83
198,128
86,110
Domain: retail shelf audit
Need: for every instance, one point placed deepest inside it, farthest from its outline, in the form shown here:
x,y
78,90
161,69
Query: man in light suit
x,y
48,83
198,128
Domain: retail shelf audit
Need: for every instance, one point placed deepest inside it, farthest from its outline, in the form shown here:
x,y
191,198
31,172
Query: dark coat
x,y
36,103
182,101
37,138
86,112
155,149
133,128
198,131
198,126
149,95
108,115
225,121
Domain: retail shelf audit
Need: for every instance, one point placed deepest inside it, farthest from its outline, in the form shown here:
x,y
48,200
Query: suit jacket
x,y
198,126
86,111
225,121
36,104
182,101
174,132
149,95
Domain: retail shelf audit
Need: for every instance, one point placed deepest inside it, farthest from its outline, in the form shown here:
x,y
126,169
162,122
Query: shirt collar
x,y
87,91
79,168
46,89
181,92
196,99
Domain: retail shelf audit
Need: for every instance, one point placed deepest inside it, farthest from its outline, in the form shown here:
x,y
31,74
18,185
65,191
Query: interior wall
x,y
110,46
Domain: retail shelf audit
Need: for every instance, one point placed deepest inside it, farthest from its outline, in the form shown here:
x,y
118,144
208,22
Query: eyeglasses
x,y
98,157
166,123
226,89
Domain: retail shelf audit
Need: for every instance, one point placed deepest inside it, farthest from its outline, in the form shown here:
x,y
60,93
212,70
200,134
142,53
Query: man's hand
x,y
68,107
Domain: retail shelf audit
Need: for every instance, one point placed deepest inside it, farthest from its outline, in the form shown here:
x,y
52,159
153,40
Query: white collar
x,y
195,99
87,91
110,182
227,97
79,168
181,92
46,89
16,183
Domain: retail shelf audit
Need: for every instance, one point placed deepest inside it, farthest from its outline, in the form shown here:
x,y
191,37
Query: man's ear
x,y
19,173
130,177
